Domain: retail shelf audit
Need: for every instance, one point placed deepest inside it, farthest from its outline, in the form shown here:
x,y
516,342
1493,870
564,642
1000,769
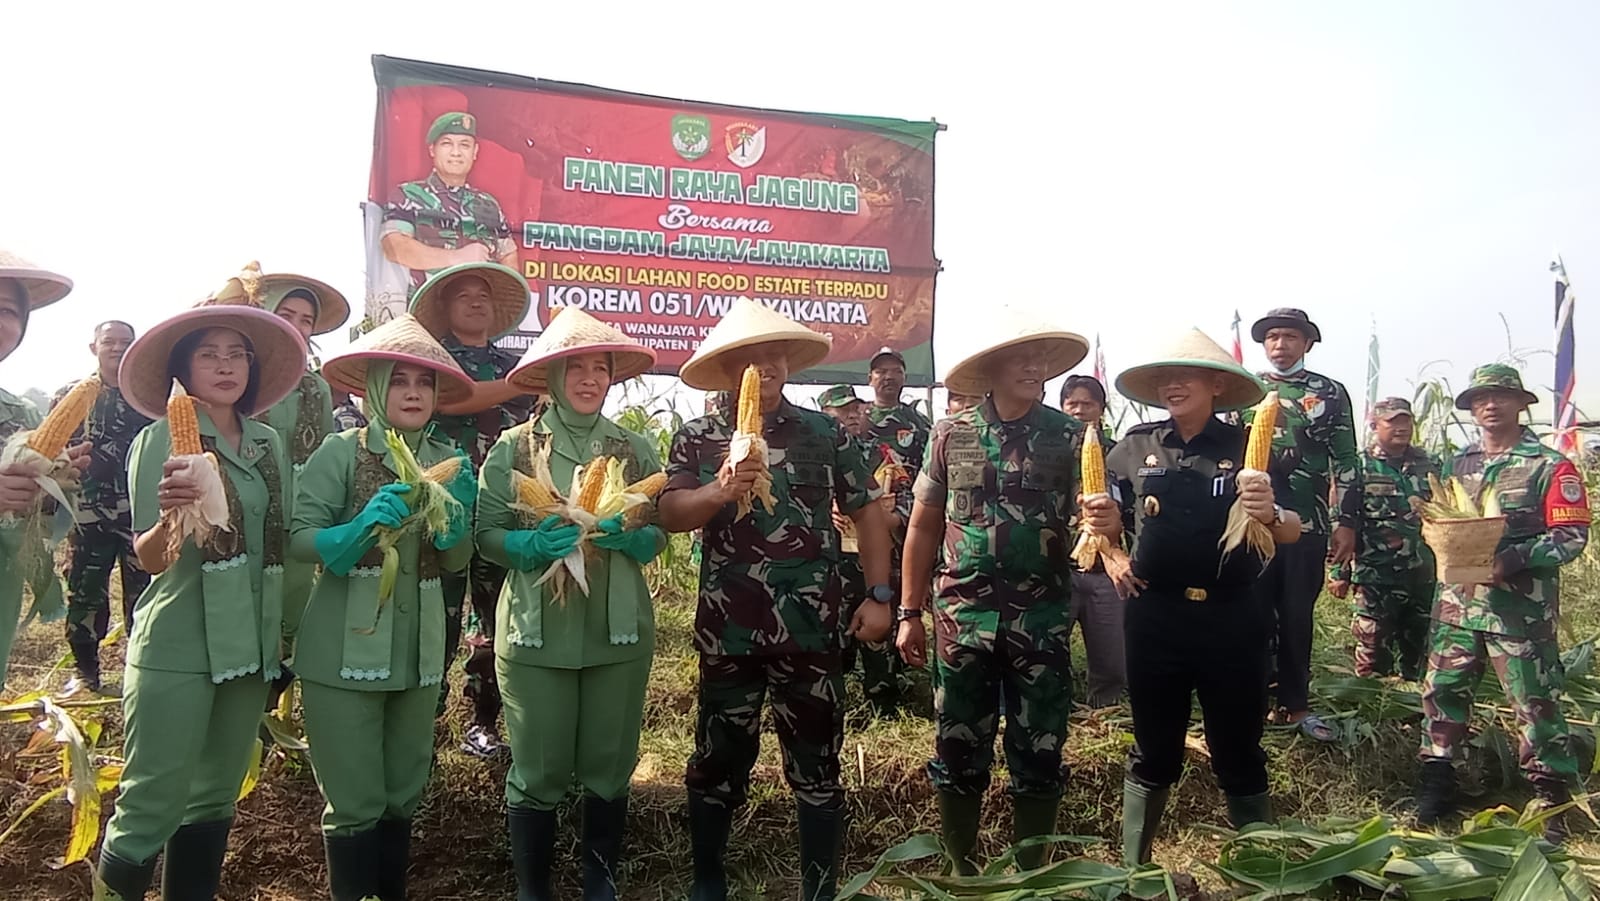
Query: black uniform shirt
x,y
1177,496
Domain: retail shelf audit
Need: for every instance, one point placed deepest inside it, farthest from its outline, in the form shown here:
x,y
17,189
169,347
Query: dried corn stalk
x,y
748,443
1091,545
1242,528
200,518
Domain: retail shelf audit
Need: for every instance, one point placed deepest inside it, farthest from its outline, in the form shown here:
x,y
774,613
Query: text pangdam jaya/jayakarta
x,y
705,248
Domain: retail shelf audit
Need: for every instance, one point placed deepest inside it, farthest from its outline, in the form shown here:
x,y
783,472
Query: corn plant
x,y
66,732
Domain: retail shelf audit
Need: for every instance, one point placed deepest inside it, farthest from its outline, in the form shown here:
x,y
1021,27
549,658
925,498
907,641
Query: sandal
x,y
1314,728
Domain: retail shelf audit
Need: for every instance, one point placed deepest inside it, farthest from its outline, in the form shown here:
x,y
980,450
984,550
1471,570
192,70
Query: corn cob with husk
x,y
1092,483
1452,500
429,500
1242,528
40,449
197,520
748,443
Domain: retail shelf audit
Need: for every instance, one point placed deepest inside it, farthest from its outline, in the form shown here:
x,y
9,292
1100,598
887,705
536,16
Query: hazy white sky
x,y
1123,168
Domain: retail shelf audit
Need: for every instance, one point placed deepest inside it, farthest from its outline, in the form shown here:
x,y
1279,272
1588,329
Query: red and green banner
x,y
656,214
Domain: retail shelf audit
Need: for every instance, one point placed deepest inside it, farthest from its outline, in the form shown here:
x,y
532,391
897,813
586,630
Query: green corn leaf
x,y
1531,878
917,847
252,776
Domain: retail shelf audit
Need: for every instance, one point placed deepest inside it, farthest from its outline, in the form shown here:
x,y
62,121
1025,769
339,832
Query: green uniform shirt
x,y
170,625
1389,546
16,414
531,627
1547,525
1314,443
303,418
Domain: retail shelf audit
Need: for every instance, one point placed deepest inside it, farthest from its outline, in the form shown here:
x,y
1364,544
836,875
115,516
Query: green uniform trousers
x,y
371,751
187,745
571,723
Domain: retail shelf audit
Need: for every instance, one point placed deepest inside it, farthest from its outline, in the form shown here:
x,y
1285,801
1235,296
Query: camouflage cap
x,y
1492,377
838,396
453,124
889,352
1390,407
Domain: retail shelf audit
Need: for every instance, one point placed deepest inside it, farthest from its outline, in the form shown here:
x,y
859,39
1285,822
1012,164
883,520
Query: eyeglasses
x,y
210,359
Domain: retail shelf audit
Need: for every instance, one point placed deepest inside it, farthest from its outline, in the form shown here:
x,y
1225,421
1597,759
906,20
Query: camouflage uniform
x,y
1001,619
1393,573
348,416
439,215
1511,626
904,431
767,624
1315,440
475,433
104,534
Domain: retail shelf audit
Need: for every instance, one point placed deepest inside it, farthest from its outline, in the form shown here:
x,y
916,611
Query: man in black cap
x,y
1314,446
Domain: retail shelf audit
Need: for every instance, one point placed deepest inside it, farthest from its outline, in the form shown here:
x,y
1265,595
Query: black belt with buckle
x,y
1194,594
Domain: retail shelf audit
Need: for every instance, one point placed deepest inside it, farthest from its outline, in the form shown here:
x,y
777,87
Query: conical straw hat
x,y
332,308
1008,329
749,323
400,340
507,291
43,287
574,332
280,355
1192,348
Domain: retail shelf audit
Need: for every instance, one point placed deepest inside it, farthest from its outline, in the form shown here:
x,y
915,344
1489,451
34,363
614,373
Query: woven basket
x,y
1464,548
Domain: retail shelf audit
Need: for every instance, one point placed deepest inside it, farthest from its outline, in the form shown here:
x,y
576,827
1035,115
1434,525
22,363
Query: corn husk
x,y
431,505
200,519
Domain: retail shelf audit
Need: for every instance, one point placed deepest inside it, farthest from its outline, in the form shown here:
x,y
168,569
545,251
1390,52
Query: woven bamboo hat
x,y
1192,348
746,324
400,340
507,292
1008,329
43,286
279,352
573,332
332,308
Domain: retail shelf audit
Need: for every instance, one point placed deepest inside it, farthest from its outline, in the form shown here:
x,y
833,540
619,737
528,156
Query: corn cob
x,y
748,443
592,484
532,493
1242,528
1451,500
1092,483
183,422
445,471
649,486
52,435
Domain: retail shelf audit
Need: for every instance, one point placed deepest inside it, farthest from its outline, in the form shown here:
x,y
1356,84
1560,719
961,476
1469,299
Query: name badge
x,y
1152,471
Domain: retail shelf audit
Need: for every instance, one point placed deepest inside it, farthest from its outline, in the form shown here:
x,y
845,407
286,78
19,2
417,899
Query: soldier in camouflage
x,y
900,427
879,662
1393,569
346,415
769,616
1511,623
442,221
467,308
998,492
1315,444
103,538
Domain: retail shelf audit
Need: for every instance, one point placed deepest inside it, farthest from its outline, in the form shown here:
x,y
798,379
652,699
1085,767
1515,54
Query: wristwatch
x,y
1277,514
909,614
882,593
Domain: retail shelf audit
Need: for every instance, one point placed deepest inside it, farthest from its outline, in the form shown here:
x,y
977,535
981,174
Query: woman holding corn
x,y
572,670
207,632
305,416
370,664
1186,484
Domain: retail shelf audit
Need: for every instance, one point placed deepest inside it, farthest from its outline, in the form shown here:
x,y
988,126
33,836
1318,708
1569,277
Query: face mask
x,y
1298,365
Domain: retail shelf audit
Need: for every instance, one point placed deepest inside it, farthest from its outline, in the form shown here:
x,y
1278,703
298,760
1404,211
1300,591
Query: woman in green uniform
x,y
305,416
369,669
24,288
207,632
572,672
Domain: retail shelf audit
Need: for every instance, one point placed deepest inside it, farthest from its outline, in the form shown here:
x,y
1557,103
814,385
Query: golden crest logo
x,y
746,142
466,120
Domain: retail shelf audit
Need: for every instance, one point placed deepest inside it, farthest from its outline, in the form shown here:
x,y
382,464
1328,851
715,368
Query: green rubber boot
x,y
1031,816
1246,809
1142,807
958,826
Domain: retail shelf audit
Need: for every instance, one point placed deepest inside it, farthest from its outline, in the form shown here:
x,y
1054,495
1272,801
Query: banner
x,y
656,214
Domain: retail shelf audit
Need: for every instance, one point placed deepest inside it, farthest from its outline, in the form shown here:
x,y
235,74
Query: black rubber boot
x,y
1436,792
1142,807
821,832
959,816
1246,809
709,824
192,867
352,865
125,881
533,844
1554,793
1031,816
603,824
394,858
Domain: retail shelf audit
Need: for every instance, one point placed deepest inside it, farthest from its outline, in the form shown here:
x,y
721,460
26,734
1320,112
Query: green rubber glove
x,y
464,489
641,544
342,546
530,550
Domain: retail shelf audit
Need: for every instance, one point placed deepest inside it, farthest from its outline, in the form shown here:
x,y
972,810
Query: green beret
x,y
453,124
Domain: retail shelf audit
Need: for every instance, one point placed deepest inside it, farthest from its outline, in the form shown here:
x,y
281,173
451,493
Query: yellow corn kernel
x,y
52,435
445,471
749,419
649,486
183,422
1092,464
593,483
1258,451
532,493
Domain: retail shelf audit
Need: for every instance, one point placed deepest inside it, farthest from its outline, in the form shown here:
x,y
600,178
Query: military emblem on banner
x,y
746,143
691,136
